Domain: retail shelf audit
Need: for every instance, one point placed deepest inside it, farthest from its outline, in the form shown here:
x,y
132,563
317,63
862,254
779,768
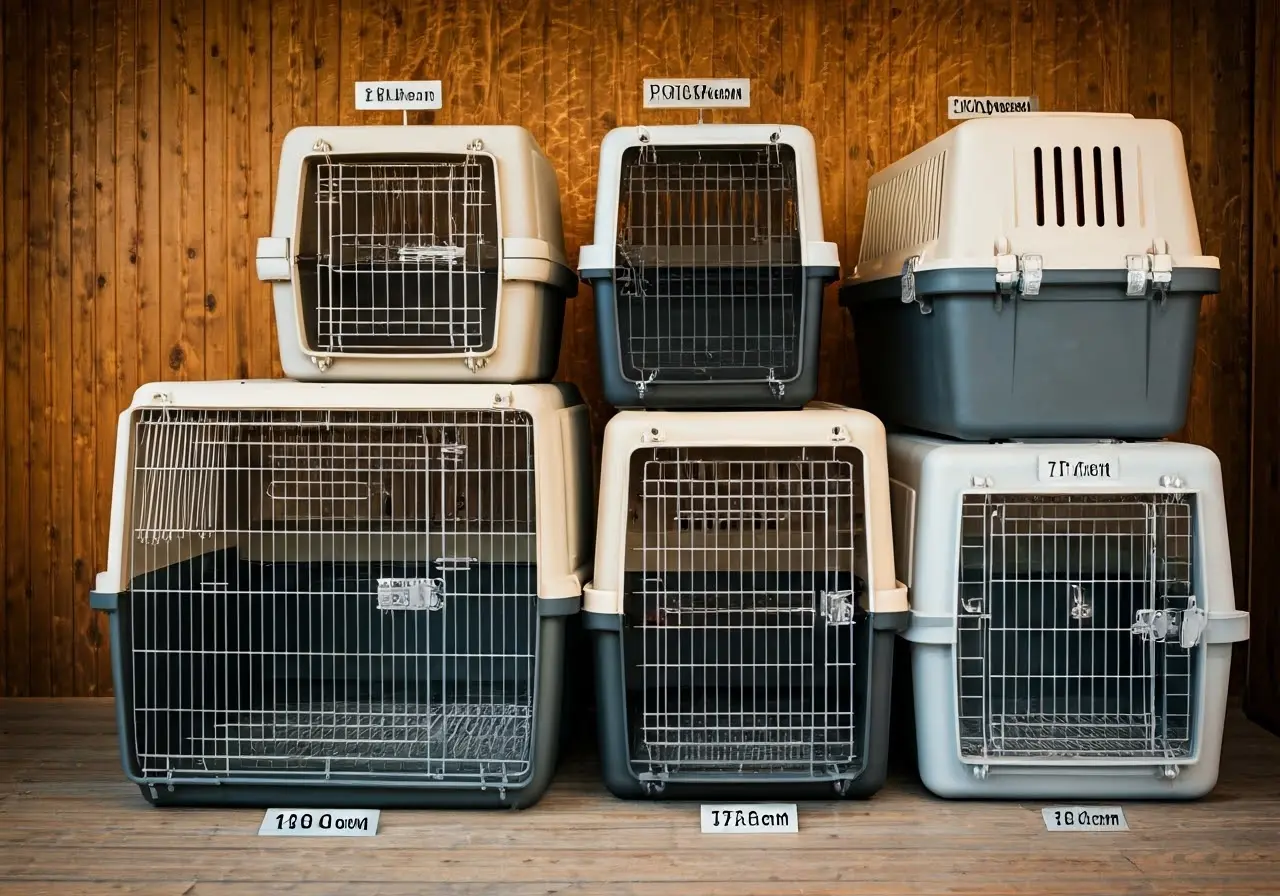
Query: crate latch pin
x,y
642,386
1160,626
776,386
837,607
1030,274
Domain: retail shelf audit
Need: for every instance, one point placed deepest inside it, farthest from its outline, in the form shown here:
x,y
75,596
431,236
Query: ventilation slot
x,y
1057,185
1039,187
1097,187
906,210
1117,161
1079,159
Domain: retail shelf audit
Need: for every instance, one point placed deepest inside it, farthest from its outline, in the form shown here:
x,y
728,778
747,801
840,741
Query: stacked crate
x,y
744,597
1025,308
352,586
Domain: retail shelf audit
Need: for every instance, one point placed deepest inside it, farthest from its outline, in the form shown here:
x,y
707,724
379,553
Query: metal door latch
x,y
837,607
909,293
410,594
1160,626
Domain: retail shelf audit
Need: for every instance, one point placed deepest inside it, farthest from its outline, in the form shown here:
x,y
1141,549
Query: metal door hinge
x,y
1017,273
909,293
1161,626
323,362
838,607
776,386
642,386
474,363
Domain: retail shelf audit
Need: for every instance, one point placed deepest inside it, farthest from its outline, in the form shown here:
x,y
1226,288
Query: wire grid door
x,y
407,255
1052,661
748,613
709,277
333,594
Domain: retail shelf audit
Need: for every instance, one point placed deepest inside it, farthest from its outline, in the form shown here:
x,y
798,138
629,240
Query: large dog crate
x,y
708,266
744,606
1032,276
330,594
1072,616
417,254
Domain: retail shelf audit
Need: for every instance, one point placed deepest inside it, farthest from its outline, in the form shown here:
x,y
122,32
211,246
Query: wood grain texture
x,y
139,141
70,822
1262,694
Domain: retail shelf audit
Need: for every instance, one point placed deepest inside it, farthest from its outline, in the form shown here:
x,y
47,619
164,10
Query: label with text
x,y
398,95
319,823
697,93
1084,818
750,818
1078,467
989,106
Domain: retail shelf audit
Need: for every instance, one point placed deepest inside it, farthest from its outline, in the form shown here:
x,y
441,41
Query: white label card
x,y
750,818
1084,818
319,823
1074,467
989,106
398,95
697,93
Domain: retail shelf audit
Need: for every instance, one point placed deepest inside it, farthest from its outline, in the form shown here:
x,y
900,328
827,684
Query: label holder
x,y
750,818
320,823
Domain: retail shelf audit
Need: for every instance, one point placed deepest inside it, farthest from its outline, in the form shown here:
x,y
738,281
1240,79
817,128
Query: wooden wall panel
x,y
1262,694
138,141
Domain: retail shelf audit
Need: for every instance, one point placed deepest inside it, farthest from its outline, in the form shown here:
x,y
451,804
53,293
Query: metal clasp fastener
x,y
837,607
908,293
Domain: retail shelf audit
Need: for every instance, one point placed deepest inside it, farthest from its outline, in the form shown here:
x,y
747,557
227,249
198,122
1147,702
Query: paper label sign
x,y
989,106
398,95
750,818
319,823
1084,818
697,93
1078,467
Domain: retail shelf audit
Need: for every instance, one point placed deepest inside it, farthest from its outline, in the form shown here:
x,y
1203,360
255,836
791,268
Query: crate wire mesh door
x,y
710,282
743,606
406,255
1069,613
333,595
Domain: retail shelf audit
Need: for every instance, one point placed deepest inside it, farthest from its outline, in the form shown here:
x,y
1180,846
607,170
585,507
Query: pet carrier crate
x,y
708,266
335,595
411,254
1072,616
744,606
1030,276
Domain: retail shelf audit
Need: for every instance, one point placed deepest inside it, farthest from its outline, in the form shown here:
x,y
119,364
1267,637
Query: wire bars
x,y
406,256
710,284
743,609
1054,660
333,594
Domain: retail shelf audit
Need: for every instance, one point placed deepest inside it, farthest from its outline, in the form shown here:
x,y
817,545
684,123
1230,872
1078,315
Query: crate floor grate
x,y
1065,735
729,740
359,737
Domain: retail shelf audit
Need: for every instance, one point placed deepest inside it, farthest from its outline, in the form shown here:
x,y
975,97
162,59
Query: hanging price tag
x,y
398,96
990,106
319,823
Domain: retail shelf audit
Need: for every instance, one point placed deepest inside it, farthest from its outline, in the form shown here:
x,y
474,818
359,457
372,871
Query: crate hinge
x,y
1153,268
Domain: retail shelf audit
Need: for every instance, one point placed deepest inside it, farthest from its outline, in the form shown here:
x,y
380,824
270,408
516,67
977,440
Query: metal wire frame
x,y
710,285
330,594
406,255
745,561
1048,664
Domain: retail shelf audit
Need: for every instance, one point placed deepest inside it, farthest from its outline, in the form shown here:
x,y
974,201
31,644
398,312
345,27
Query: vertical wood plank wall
x,y
138,141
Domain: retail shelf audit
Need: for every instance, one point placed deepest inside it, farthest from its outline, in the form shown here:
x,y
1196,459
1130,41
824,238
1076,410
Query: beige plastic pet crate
x,y
327,592
744,603
1035,275
413,254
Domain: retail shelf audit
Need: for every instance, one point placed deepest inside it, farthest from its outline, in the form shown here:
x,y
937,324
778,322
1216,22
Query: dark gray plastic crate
x,y
708,267
266,683
794,714
1082,358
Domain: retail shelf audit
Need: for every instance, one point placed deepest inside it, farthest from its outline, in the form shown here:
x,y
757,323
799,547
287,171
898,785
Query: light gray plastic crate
x,y
1072,616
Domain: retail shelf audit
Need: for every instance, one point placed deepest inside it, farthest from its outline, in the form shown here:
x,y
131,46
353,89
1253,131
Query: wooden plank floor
x,y
70,823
